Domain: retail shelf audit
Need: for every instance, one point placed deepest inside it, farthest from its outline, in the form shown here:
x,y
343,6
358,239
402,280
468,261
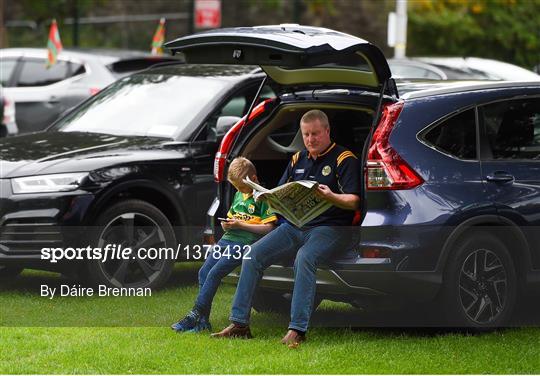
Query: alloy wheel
x,y
483,285
135,231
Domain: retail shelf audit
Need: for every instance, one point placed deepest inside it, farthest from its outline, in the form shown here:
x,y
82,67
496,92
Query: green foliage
x,y
507,30
42,12
271,5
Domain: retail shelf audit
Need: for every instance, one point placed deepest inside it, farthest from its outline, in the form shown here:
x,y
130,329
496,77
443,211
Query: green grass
x,y
131,335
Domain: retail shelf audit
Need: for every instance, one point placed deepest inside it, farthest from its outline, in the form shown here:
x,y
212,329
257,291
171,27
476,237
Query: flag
x,y
54,45
159,38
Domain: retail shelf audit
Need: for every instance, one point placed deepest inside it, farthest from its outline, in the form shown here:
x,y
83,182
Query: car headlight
x,y
48,183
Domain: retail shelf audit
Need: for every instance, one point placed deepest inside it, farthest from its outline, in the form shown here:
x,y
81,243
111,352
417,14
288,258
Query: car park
x,y
411,69
458,68
451,200
41,94
133,160
471,68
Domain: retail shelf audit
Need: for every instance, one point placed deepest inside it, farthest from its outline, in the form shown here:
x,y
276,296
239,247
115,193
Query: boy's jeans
x,y
213,271
311,246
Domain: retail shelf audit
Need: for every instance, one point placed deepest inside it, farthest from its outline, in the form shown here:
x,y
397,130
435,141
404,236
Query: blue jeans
x,y
213,271
311,247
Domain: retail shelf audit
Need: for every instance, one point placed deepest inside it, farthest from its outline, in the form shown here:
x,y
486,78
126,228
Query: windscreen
x,y
156,105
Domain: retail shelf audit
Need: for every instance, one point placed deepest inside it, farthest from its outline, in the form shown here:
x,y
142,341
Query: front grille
x,y
29,235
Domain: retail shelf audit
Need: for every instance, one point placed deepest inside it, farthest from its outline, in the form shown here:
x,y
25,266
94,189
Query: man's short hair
x,y
313,115
240,168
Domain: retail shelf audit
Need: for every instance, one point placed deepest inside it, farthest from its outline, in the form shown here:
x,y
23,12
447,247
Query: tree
x,y
507,30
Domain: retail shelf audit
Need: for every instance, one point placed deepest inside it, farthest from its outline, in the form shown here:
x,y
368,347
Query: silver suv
x,y
41,94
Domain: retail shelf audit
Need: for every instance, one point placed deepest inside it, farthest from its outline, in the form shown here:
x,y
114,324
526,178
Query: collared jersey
x,y
245,208
338,168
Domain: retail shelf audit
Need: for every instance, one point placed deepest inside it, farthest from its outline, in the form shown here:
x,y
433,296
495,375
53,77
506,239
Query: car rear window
x,y
352,61
409,71
455,136
36,73
7,66
513,128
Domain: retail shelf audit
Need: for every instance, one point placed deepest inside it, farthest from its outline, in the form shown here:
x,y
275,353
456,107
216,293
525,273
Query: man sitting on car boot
x,y
337,170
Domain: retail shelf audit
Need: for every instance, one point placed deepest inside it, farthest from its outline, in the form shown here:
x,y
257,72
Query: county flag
x,y
159,38
54,45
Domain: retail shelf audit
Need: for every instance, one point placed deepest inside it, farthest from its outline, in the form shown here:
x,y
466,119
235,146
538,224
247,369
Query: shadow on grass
x,y
29,282
184,274
407,321
525,314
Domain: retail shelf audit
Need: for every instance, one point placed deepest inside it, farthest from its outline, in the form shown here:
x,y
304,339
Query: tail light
x,y
371,252
94,90
208,237
386,170
9,111
230,136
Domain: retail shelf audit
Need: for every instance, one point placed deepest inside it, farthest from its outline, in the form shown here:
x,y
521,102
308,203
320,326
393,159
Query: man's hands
x,y
345,201
325,192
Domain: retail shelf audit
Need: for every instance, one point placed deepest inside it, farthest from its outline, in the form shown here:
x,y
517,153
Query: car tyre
x,y
480,286
7,273
134,224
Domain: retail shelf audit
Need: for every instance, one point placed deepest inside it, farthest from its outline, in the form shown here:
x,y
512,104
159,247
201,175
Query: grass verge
x,y
131,335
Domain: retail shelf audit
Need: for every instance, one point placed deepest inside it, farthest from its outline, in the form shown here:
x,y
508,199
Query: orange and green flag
x,y
159,38
54,45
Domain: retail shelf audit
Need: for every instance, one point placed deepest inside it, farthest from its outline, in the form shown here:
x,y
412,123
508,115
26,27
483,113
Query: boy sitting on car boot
x,y
338,172
246,222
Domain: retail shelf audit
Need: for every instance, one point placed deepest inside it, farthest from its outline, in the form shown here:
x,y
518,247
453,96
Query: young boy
x,y
246,222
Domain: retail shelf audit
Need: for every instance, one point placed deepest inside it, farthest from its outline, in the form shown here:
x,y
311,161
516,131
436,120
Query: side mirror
x,y
224,123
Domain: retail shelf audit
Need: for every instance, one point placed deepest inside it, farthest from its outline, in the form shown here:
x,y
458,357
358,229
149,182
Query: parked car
x,y
457,68
135,159
411,69
42,94
451,200
8,126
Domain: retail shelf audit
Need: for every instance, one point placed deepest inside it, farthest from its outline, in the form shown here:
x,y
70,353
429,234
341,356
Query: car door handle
x,y
53,100
500,177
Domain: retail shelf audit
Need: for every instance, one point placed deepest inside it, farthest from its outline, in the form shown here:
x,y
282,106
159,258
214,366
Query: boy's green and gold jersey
x,y
244,208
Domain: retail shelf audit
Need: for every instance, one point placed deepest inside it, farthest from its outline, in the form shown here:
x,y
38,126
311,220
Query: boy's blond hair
x,y
240,168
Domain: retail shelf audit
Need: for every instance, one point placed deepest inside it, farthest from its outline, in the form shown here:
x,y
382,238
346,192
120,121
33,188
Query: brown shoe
x,y
293,339
233,331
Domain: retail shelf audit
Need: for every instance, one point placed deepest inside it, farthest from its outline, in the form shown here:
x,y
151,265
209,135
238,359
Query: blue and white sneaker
x,y
202,324
187,323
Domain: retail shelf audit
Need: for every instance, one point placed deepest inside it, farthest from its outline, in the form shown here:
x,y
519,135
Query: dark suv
x,y
451,201
130,166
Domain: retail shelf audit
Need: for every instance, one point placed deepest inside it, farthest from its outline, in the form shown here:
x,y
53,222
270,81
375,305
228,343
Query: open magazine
x,y
297,201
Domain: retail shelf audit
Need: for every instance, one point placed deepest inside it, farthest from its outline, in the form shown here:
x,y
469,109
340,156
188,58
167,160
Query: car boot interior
x,y
273,143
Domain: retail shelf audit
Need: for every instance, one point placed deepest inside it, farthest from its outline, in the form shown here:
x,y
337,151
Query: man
x,y
338,172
